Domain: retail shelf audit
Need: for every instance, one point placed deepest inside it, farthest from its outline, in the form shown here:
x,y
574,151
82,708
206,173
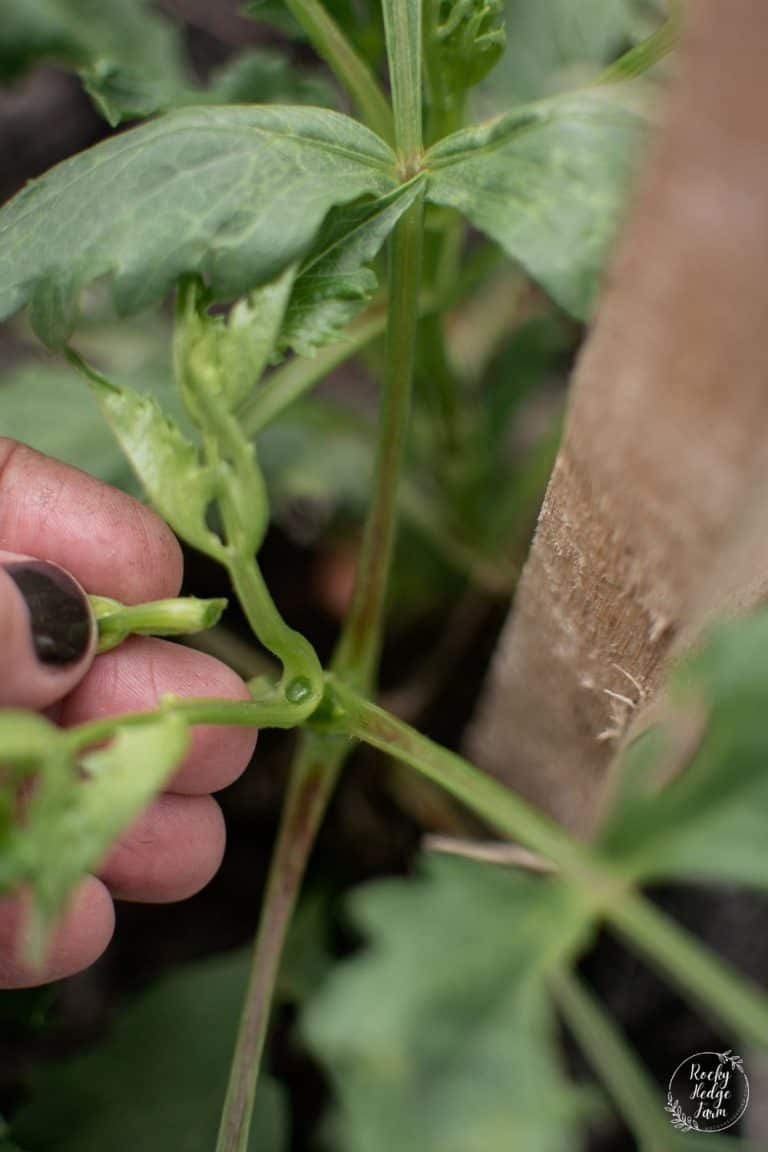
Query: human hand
x,y
62,532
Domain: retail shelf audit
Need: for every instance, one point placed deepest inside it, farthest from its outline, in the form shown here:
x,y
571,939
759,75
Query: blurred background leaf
x,y
438,1035
132,62
158,1082
266,76
128,54
693,793
557,45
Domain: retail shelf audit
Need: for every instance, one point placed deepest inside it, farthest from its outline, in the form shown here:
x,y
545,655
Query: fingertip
x,y
80,938
172,850
113,544
156,558
48,632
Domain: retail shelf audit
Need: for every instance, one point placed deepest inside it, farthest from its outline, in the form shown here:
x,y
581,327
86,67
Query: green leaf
x,y
233,194
157,1082
72,429
334,283
265,76
465,40
26,738
167,464
693,791
70,823
128,54
547,183
130,59
28,742
556,45
276,14
223,357
438,1043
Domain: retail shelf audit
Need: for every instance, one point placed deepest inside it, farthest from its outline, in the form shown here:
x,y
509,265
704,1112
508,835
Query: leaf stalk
x,y
347,65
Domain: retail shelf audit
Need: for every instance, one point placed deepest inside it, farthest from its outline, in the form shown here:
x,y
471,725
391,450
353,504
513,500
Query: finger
x,y
47,632
84,932
112,544
171,851
132,678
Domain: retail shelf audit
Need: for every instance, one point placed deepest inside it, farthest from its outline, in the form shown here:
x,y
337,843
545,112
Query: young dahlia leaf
x,y
28,742
232,194
26,738
71,822
547,183
464,40
224,356
334,283
692,791
433,1042
168,465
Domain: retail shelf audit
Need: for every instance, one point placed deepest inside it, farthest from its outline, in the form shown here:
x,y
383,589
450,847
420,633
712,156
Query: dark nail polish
x,y
59,615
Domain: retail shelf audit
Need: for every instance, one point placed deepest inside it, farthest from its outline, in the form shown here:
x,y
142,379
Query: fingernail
x,y
59,614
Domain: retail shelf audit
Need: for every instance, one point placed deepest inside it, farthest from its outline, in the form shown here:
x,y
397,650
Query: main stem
x,y
358,652
320,756
313,776
402,26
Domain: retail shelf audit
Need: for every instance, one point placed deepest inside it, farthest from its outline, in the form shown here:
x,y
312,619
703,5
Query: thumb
x,y
47,632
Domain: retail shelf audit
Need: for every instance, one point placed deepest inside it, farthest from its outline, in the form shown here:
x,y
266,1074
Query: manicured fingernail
x,y
59,614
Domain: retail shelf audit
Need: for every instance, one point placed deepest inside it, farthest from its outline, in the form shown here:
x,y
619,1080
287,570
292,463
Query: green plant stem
x,y
347,65
313,777
503,809
267,713
320,756
300,662
358,651
179,616
738,1004
714,986
634,1093
402,25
